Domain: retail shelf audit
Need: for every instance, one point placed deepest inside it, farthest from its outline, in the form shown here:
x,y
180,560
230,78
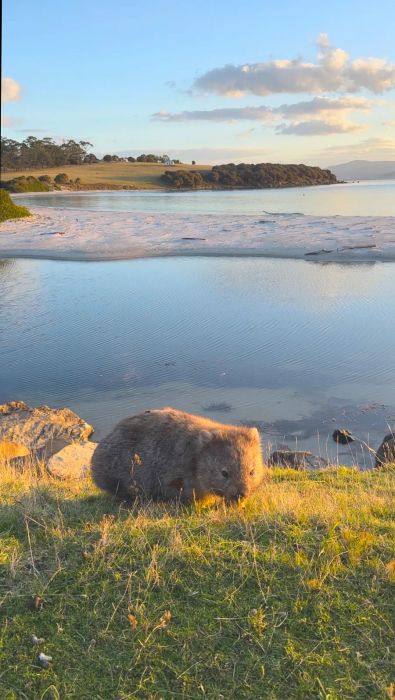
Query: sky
x,y
212,81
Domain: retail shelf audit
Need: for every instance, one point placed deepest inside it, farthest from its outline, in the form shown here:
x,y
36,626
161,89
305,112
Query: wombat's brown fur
x,y
167,454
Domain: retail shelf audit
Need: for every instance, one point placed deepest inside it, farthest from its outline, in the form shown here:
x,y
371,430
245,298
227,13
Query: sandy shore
x,y
90,235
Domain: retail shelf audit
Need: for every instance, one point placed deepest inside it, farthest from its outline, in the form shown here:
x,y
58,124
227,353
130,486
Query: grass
x,y
130,175
9,210
291,596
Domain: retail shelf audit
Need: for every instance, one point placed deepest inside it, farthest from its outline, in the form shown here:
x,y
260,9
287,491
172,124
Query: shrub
x,y
250,176
183,179
9,210
61,179
45,178
25,184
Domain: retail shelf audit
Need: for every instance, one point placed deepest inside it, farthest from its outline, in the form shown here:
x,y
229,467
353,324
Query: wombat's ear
x,y
204,437
254,432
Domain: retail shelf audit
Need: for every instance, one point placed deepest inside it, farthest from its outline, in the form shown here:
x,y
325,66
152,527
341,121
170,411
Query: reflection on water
x,y
298,348
375,198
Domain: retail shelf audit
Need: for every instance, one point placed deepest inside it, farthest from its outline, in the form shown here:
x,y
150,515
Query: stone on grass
x,y
42,430
73,462
342,436
386,452
297,460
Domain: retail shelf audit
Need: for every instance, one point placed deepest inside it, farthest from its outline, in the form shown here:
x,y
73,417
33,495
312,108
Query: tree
x,y
91,158
107,159
41,153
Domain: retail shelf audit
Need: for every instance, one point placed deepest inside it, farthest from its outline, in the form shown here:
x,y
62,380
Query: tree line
x,y
46,153
249,176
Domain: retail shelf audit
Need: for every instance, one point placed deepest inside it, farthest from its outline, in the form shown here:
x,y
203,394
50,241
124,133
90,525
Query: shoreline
x,y
85,235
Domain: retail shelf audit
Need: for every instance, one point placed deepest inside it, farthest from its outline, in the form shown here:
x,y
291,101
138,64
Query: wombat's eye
x,y
252,472
225,473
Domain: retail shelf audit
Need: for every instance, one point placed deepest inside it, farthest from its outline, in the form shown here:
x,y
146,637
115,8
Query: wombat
x,y
166,454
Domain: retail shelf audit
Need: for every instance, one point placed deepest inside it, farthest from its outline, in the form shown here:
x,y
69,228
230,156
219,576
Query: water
x,y
370,198
295,347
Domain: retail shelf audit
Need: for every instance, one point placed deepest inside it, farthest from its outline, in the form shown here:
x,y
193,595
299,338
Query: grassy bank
x,y
291,596
118,175
9,210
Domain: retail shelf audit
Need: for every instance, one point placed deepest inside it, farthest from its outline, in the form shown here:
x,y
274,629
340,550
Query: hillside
x,y
365,170
288,597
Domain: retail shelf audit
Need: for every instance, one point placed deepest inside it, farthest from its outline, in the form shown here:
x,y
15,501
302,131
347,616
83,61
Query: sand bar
x,y
75,234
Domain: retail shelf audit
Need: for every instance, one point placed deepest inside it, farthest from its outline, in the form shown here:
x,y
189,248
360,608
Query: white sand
x,y
86,235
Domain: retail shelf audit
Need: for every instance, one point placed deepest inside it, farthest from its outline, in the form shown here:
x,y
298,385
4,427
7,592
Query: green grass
x,y
131,175
291,596
9,210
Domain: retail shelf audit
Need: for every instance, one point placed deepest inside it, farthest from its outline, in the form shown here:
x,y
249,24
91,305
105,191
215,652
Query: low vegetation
x,y
290,596
26,184
249,176
102,175
9,210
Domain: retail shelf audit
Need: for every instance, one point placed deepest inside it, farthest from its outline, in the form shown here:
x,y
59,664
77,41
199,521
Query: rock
x,y
297,460
12,450
44,660
41,430
73,462
386,452
342,436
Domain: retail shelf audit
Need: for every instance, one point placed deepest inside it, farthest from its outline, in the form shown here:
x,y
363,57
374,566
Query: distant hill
x,y
365,170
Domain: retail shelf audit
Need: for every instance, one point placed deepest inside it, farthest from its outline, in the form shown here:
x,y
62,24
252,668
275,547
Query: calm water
x,y
298,348
375,198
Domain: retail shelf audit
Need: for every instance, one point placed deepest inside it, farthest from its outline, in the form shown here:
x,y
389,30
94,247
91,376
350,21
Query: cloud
x,y
316,127
10,90
323,41
9,121
227,114
320,106
373,148
332,71
317,107
34,131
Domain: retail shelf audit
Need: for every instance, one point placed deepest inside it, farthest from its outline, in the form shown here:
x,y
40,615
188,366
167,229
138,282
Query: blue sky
x,y
211,81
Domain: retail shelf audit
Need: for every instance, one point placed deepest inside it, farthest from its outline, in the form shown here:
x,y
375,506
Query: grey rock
x,y
297,460
73,462
42,430
386,452
342,436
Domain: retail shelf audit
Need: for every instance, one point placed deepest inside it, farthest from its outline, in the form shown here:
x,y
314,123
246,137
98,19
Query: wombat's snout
x,y
239,496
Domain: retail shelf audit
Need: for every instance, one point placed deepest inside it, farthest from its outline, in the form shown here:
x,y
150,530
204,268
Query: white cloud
x,y
316,127
10,90
9,121
227,114
315,108
319,116
332,71
323,40
320,106
371,149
